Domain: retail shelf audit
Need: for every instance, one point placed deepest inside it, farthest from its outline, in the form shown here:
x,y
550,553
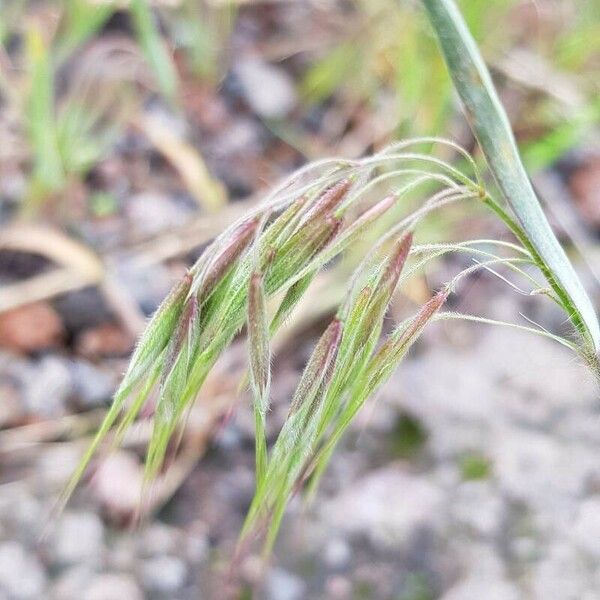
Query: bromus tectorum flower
x,y
273,255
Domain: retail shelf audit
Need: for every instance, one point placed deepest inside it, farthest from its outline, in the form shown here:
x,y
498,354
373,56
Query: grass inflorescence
x,y
274,254
270,258
256,272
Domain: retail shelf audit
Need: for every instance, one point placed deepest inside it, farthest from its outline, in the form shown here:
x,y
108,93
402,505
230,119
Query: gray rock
x,y
113,586
241,134
586,531
477,561
268,89
560,575
117,483
56,464
21,512
479,507
92,386
539,380
122,555
338,588
388,505
337,553
47,386
11,408
147,285
483,573
524,549
13,186
538,469
79,538
476,589
21,574
164,574
70,583
282,585
84,308
158,539
149,213
197,545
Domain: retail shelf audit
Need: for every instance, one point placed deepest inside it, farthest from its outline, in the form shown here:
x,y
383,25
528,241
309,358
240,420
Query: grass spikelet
x,y
260,368
372,376
237,242
295,439
327,202
174,377
158,333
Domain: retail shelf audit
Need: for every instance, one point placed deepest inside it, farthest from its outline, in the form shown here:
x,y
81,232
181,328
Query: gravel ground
x,y
475,475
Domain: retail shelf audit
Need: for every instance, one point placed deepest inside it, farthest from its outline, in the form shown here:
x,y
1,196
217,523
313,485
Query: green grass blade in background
x,y
154,49
494,134
81,20
48,172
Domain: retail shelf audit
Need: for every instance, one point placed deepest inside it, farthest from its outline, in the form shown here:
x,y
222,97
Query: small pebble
x,y
282,585
113,586
337,553
79,538
22,576
268,89
164,574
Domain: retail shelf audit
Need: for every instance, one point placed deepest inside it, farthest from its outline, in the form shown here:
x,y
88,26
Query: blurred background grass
x,y
77,77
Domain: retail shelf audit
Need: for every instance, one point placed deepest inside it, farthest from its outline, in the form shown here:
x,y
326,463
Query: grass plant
x,y
270,257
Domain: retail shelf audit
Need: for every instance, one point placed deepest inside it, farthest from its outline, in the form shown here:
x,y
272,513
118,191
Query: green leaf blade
x,y
493,131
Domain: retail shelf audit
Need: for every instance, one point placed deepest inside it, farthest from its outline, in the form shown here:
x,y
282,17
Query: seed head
x,y
237,243
329,200
184,336
372,316
258,340
318,368
396,262
397,344
285,222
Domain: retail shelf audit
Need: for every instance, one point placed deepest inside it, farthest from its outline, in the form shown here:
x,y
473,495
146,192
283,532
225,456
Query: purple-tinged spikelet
x,y
258,339
239,241
318,369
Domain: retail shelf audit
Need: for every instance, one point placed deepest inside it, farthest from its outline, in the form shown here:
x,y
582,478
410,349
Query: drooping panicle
x,y
265,254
